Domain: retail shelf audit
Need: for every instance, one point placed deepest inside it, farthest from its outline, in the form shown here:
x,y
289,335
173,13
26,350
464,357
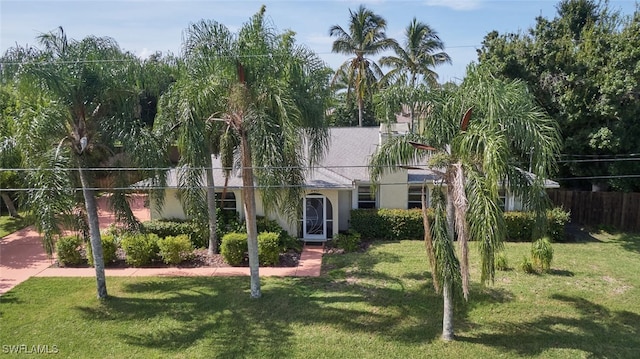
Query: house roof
x,y
345,162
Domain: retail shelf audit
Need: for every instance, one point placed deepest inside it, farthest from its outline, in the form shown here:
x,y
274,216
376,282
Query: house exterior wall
x,y
172,208
393,190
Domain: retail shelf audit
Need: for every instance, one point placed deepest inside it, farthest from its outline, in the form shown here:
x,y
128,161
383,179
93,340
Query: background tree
x,y
81,103
269,95
581,67
475,153
365,37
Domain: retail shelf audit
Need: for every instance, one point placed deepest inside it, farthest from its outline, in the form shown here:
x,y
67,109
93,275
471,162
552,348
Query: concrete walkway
x,y
22,257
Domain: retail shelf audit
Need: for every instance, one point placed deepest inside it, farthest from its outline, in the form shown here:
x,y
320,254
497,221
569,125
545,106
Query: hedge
x,y
398,224
198,234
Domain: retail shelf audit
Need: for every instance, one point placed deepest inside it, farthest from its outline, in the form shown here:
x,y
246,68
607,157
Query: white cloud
x,y
461,5
144,53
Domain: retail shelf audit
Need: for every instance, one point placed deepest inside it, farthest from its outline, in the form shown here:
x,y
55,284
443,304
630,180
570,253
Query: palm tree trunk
x,y
447,315
360,112
211,207
249,199
10,206
94,234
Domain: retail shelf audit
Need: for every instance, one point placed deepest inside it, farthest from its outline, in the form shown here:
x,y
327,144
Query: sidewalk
x,y
22,257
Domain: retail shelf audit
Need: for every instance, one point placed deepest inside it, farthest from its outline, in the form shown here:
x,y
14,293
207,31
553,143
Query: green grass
x,y
378,304
9,224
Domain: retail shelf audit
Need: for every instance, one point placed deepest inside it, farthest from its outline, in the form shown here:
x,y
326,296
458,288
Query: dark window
x,y
415,197
228,202
365,197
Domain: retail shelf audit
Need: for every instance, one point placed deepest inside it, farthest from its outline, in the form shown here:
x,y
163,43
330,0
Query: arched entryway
x,y
317,218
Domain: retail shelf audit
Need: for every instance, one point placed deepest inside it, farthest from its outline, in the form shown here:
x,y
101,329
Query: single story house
x,y
338,185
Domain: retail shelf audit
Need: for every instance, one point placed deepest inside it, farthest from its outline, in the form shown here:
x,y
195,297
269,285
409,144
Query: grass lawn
x,y
378,304
9,224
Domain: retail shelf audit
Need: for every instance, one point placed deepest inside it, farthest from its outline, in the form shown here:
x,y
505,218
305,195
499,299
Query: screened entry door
x,y
314,221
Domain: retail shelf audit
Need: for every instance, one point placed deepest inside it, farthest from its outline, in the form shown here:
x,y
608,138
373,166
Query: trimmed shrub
x,y
233,247
198,233
519,226
389,224
68,250
349,242
175,249
109,248
140,249
557,218
268,248
542,253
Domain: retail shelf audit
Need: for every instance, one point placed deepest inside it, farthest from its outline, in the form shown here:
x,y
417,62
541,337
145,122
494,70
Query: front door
x,y
314,221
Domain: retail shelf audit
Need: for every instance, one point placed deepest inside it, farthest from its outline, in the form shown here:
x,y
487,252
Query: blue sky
x,y
146,26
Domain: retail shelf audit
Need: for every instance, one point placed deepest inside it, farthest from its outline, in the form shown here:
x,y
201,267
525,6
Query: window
x,y
415,197
502,199
365,198
228,203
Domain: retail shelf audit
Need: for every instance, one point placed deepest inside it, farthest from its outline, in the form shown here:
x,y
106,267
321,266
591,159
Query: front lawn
x,y
9,224
377,304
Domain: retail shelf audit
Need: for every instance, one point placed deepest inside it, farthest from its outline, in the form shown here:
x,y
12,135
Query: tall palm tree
x,y
414,65
82,104
475,152
268,94
423,51
365,37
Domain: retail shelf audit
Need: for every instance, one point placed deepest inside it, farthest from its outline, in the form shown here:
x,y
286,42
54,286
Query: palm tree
x,y
414,65
264,98
366,37
476,151
423,51
82,107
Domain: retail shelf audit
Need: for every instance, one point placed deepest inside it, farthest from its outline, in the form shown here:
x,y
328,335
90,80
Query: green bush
x,y
175,249
389,224
233,247
542,253
269,248
109,248
349,242
526,265
557,218
501,261
519,226
198,233
140,249
68,250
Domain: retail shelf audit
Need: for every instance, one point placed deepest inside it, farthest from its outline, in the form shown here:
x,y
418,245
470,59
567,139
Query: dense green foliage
x,y
269,248
68,250
195,231
140,249
396,224
233,247
175,249
109,249
582,67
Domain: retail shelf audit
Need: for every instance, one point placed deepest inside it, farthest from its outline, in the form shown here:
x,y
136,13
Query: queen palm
x,y
365,37
268,95
475,152
81,103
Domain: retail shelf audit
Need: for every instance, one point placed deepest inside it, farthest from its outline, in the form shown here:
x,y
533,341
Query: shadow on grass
x,y
585,333
630,242
561,273
217,312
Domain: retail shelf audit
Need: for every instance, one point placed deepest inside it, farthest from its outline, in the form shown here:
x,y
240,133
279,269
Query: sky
x,y
146,26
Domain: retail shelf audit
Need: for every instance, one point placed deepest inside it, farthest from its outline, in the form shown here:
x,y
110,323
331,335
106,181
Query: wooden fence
x,y
616,209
